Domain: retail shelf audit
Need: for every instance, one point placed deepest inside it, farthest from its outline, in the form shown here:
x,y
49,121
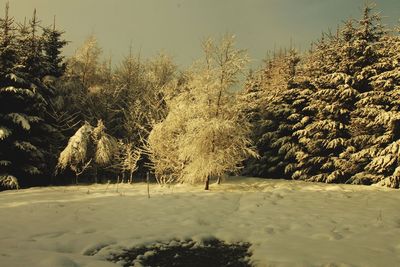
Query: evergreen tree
x,y
31,64
342,66
8,60
27,134
279,98
52,44
20,109
376,120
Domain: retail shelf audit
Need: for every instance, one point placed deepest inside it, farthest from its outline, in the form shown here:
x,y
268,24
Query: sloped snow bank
x,y
287,223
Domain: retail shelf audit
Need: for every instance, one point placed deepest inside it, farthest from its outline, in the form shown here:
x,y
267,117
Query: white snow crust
x,y
288,223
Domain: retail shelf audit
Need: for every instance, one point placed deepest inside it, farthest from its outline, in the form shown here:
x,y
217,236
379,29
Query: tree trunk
x,y
130,177
95,175
148,184
219,180
207,183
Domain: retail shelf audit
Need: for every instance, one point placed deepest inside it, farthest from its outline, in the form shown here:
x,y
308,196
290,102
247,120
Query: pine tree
x,y
21,105
376,121
279,100
8,60
52,44
27,142
341,66
31,64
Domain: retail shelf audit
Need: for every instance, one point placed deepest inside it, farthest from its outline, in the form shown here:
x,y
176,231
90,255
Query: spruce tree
x,y
8,60
324,137
52,43
27,134
376,121
21,103
277,98
344,65
31,64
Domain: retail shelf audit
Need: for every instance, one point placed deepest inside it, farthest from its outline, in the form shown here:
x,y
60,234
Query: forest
x,y
330,114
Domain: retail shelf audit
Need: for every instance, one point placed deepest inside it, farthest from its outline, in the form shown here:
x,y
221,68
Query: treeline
x,y
333,114
328,115
48,104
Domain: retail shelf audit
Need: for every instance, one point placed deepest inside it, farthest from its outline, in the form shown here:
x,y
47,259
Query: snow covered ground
x,y
289,223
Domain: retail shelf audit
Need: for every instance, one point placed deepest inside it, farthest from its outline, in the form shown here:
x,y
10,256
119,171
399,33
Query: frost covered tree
x,y
128,161
77,99
203,134
139,92
127,98
84,65
75,154
136,100
71,103
88,147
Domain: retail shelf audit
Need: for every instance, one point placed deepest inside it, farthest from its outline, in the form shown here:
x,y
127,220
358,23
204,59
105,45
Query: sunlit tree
x,y
203,134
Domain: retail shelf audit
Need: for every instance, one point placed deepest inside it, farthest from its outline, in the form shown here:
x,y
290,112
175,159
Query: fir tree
x,y
27,145
31,64
279,100
52,43
347,62
8,60
376,121
21,105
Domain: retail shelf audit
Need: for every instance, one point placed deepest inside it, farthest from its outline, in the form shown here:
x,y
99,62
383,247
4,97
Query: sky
x,y
177,27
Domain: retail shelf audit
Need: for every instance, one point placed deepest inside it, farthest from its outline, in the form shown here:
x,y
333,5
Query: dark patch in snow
x,y
211,253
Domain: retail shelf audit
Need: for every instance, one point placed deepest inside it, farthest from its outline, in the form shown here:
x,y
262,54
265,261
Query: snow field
x,y
288,223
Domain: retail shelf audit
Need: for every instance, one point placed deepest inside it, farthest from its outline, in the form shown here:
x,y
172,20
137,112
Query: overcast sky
x,y
178,26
